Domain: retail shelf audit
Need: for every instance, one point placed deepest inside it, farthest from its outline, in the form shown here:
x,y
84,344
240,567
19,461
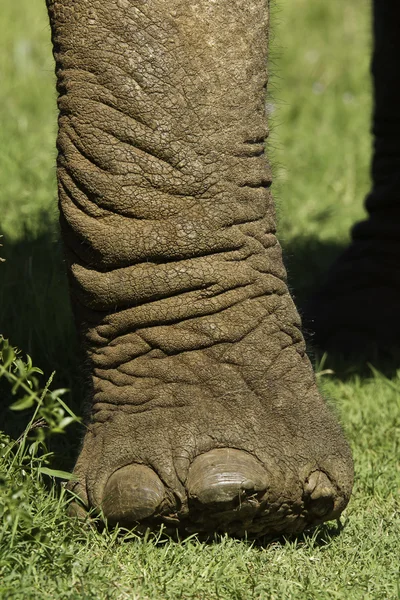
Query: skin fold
x,y
205,414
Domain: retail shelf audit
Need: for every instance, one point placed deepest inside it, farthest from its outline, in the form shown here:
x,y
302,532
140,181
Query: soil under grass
x,y
320,147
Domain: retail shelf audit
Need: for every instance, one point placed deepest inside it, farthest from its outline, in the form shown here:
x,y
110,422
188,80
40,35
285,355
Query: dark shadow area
x,y
308,261
36,317
315,537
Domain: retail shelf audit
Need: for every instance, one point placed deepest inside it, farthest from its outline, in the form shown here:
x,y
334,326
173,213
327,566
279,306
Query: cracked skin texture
x,y
205,414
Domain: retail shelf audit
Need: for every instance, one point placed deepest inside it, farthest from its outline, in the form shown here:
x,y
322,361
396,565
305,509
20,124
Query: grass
x,y
320,149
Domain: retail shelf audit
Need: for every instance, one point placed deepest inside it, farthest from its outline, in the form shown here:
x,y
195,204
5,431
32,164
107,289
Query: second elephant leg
x,y
356,310
205,414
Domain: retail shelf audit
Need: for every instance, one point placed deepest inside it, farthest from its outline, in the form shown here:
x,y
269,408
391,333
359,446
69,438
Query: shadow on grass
x,y
315,537
35,316
308,261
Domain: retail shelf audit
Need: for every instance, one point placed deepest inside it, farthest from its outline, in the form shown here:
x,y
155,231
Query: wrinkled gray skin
x,y
205,411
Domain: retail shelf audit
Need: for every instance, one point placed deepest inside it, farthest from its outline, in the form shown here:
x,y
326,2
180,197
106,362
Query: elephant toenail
x,y
77,511
132,493
223,475
319,494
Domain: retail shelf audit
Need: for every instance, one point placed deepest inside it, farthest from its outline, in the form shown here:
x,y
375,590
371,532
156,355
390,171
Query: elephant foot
x,y
228,491
230,441
355,312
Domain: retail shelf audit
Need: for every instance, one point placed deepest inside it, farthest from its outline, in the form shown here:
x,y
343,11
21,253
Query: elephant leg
x,y
204,411
356,310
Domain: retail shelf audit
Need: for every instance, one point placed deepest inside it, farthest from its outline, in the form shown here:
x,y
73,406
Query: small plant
x,y
50,413
24,461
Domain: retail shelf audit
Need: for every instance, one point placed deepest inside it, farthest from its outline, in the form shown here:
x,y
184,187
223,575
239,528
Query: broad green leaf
x,y
23,403
56,473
